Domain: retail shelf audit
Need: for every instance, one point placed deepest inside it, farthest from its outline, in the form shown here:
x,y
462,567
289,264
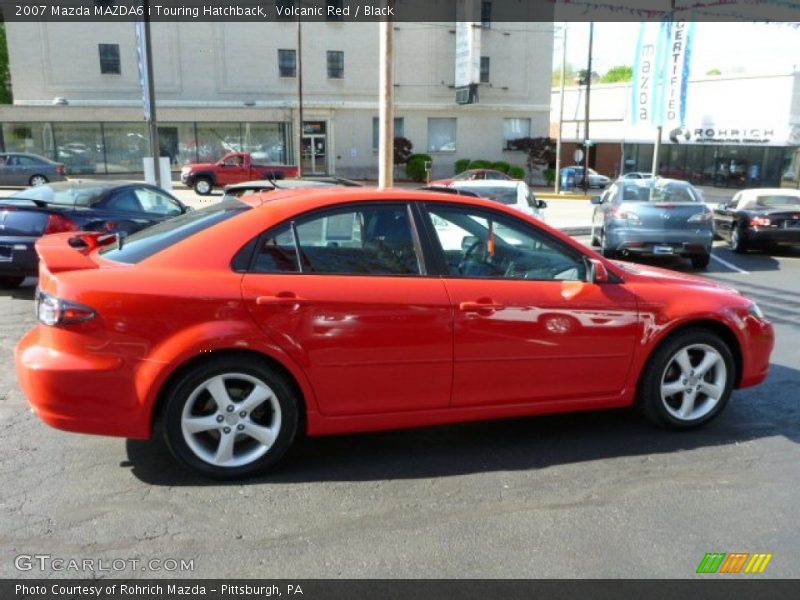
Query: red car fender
x,y
154,372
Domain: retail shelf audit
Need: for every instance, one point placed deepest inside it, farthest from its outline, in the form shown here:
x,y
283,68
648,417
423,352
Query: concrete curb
x,y
575,231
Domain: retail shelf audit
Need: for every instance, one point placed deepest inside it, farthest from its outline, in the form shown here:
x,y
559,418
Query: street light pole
x,y
299,152
586,137
386,108
561,112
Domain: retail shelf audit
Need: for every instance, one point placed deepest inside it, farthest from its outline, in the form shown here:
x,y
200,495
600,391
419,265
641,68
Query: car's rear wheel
x,y
738,243
688,380
203,186
230,417
37,180
11,281
700,261
595,238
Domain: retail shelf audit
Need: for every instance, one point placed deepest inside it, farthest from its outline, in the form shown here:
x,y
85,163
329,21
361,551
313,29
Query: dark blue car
x,y
112,206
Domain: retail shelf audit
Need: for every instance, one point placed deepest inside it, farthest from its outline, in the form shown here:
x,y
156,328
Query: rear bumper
x,y
85,394
760,235
658,242
18,256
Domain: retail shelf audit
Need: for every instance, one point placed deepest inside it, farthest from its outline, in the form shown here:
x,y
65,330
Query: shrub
x,y
480,164
415,167
516,172
501,165
550,176
462,164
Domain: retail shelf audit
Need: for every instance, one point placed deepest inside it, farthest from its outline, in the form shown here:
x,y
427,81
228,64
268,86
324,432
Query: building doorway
x,y
314,148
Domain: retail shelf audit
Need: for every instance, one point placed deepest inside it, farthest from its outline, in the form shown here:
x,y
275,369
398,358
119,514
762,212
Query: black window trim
x,y
441,261
415,220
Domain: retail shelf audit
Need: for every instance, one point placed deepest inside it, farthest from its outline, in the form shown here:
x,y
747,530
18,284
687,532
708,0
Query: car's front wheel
x,y
688,380
230,417
203,186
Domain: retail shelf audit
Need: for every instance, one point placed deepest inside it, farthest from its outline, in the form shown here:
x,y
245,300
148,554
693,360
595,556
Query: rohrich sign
x,y
712,134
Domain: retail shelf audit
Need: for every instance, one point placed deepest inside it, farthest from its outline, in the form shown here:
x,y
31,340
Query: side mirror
x,y
597,271
596,200
541,204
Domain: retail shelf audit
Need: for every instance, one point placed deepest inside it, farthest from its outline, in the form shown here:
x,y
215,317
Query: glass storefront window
x,y
178,142
126,144
36,138
80,147
215,140
266,142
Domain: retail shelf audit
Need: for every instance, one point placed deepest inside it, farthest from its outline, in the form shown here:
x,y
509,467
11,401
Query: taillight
x,y
760,222
630,217
59,223
61,169
55,311
700,217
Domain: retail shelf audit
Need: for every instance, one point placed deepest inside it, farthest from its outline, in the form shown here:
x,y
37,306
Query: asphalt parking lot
x,y
599,494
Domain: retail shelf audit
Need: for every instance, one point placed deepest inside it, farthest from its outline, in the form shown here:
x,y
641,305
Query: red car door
x,y
232,170
355,310
527,326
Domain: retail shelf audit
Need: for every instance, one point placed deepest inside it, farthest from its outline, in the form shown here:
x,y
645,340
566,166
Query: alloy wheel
x,y
693,382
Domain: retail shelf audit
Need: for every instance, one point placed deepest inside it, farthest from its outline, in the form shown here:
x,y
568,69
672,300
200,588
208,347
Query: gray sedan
x,y
653,217
21,168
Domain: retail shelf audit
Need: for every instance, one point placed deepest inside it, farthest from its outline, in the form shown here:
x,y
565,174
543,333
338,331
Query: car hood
x,y
648,274
195,166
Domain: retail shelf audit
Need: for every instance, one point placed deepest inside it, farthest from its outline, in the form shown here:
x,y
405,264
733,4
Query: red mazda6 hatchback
x,y
232,329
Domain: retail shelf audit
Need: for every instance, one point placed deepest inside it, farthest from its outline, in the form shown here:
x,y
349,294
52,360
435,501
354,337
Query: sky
x,y
730,47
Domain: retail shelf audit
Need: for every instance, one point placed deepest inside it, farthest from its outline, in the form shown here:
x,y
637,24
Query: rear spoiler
x,y
23,202
70,251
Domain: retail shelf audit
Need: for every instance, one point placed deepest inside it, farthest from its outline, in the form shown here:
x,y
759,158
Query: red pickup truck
x,y
234,167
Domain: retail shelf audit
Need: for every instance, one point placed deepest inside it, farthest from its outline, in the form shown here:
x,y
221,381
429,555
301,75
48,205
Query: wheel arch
x,y
210,175
198,360
719,328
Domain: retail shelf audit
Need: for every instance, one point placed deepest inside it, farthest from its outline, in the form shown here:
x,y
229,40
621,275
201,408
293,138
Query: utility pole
x,y
299,153
561,111
148,88
586,137
386,101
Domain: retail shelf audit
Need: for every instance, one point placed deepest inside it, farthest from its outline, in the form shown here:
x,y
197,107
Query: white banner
x,y
468,53
141,57
676,73
646,74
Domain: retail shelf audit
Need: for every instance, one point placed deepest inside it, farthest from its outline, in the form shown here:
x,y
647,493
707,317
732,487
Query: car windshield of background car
x,y
504,195
770,201
658,192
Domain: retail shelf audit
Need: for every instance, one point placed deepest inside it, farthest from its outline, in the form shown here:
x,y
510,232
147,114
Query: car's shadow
x,y
26,291
529,443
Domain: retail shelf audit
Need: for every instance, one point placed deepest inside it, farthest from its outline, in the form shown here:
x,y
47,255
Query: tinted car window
x,y
148,242
156,203
777,200
504,194
124,201
658,192
375,240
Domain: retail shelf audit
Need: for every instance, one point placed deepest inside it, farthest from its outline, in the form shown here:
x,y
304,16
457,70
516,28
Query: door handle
x,y
280,298
480,306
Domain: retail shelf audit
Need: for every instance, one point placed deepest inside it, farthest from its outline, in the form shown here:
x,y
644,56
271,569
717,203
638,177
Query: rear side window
x,y
148,242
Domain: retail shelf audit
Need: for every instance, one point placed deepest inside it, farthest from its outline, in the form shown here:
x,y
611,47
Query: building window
x,y
335,64
486,14
287,63
398,131
484,69
109,58
514,129
441,135
333,10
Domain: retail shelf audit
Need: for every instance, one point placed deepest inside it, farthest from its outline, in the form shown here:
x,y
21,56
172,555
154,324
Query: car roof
x,y
755,192
487,183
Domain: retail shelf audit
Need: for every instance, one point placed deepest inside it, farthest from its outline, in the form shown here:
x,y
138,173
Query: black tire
x,y
595,240
607,252
37,180
737,243
700,261
11,281
660,410
203,186
282,405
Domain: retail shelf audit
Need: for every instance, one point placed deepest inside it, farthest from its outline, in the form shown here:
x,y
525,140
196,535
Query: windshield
x,y
671,191
147,242
67,196
504,195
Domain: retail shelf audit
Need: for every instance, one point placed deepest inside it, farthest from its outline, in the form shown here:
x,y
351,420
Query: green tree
x,y
714,72
570,73
5,74
541,151
618,74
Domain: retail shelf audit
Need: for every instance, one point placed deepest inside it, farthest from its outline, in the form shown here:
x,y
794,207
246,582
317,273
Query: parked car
x,y
646,217
636,175
572,177
760,218
343,310
108,207
266,185
473,175
513,193
21,168
234,167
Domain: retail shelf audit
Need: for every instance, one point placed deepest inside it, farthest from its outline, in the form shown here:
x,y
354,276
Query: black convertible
x,y
760,218
111,206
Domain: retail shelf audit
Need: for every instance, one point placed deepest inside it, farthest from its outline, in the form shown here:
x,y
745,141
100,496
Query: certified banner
x,y
679,35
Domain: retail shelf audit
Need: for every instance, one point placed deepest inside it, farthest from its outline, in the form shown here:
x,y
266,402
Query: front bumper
x,y
84,393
